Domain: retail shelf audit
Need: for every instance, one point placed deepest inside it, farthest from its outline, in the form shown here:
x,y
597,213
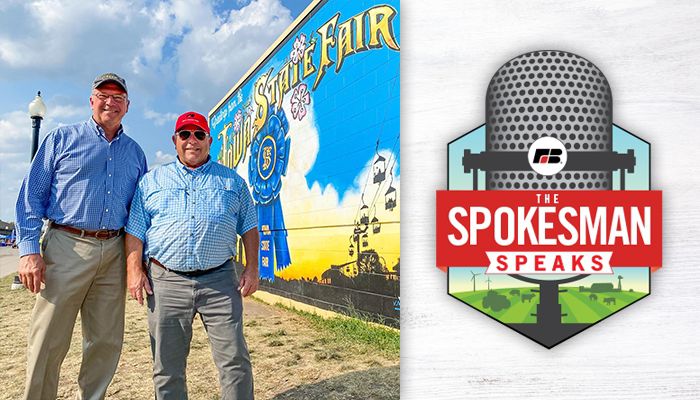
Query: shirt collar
x,y
199,170
101,132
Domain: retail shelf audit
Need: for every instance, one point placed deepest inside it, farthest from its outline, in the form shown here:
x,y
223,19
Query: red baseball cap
x,y
192,118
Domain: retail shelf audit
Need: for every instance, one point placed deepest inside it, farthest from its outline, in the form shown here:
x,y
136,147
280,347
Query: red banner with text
x,y
581,232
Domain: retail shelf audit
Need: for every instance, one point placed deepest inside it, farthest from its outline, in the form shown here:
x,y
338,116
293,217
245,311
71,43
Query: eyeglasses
x,y
184,134
117,98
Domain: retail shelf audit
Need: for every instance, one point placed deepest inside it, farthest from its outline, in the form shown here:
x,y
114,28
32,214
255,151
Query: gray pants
x,y
171,309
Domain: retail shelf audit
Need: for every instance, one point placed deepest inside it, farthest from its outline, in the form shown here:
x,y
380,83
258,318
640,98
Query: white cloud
x,y
212,58
69,112
69,30
150,44
160,119
16,127
162,158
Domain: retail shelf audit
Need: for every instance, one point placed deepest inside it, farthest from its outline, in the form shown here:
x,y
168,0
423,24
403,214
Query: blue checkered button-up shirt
x,y
78,178
188,219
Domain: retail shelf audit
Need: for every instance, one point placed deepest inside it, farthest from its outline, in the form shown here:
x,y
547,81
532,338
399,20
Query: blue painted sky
x,y
175,55
353,108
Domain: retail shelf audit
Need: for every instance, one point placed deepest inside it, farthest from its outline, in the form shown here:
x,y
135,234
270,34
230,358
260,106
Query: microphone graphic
x,y
552,94
548,127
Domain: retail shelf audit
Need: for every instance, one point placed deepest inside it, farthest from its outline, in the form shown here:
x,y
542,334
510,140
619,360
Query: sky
x,y
176,56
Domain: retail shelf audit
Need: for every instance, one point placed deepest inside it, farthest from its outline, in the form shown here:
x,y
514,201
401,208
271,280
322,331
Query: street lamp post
x,y
37,110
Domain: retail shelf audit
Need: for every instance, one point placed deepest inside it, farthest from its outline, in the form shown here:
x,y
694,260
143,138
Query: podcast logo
x,y
549,225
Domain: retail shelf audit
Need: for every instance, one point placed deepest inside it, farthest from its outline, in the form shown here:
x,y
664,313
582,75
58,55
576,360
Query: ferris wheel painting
x,y
313,128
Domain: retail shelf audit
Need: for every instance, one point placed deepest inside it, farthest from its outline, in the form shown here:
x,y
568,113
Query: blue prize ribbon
x,y
269,156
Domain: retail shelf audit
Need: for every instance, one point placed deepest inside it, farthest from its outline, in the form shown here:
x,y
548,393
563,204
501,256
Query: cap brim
x,y
100,83
192,123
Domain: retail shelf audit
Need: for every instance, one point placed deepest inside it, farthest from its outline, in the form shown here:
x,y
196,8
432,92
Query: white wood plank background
x,y
650,53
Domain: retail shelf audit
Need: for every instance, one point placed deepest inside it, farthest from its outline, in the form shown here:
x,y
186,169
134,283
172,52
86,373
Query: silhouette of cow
x,y
515,292
609,300
593,297
527,297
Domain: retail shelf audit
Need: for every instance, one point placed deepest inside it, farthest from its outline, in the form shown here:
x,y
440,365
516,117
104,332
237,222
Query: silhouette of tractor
x,y
495,301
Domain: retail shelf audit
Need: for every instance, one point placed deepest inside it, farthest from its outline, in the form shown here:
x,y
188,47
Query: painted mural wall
x,y
313,127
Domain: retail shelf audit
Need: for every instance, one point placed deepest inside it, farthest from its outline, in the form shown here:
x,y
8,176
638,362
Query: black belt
x,y
198,272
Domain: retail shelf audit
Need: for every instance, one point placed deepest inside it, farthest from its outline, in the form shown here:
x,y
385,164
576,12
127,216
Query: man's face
x,y
191,151
109,103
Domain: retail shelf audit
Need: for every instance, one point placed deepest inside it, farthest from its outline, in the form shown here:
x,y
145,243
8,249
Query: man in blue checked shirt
x,y
184,221
82,180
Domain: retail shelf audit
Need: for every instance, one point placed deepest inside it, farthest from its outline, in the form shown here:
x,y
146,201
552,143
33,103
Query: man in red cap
x,y
184,222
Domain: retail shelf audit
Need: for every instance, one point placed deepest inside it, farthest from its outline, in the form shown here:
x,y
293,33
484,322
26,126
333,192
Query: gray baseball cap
x,y
109,77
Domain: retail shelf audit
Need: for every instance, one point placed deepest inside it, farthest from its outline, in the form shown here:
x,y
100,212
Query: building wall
x,y
313,127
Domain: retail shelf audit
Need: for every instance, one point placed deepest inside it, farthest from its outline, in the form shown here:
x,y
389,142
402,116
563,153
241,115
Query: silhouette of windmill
x,y
488,283
619,282
474,279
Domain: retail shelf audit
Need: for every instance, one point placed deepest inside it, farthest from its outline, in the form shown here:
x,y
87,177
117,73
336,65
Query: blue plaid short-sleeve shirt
x,y
188,219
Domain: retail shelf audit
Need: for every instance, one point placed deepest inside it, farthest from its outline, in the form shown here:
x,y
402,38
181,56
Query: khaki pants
x,y
86,275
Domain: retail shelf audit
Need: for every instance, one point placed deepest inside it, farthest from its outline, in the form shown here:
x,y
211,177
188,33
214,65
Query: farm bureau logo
x,y
547,156
548,225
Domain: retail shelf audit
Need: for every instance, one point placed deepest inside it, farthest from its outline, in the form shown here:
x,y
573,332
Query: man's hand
x,y
31,271
249,281
136,282
250,278
136,279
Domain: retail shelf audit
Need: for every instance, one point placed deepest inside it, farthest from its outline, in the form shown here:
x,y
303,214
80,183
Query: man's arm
x,y
136,227
30,211
250,277
136,279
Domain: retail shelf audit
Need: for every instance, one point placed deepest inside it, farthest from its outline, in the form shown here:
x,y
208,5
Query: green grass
x,y
518,312
577,305
582,309
355,330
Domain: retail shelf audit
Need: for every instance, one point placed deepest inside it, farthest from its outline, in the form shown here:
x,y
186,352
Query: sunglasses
x,y
184,135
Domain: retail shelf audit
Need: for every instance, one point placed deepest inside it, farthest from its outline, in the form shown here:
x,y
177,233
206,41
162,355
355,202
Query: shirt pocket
x,y
223,203
166,202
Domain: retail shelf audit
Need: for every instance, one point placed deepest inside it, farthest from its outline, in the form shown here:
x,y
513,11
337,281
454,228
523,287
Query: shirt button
x,y
106,209
110,159
108,192
109,175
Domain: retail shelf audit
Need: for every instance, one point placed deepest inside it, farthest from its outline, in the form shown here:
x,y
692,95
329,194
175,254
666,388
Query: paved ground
x,y
9,258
